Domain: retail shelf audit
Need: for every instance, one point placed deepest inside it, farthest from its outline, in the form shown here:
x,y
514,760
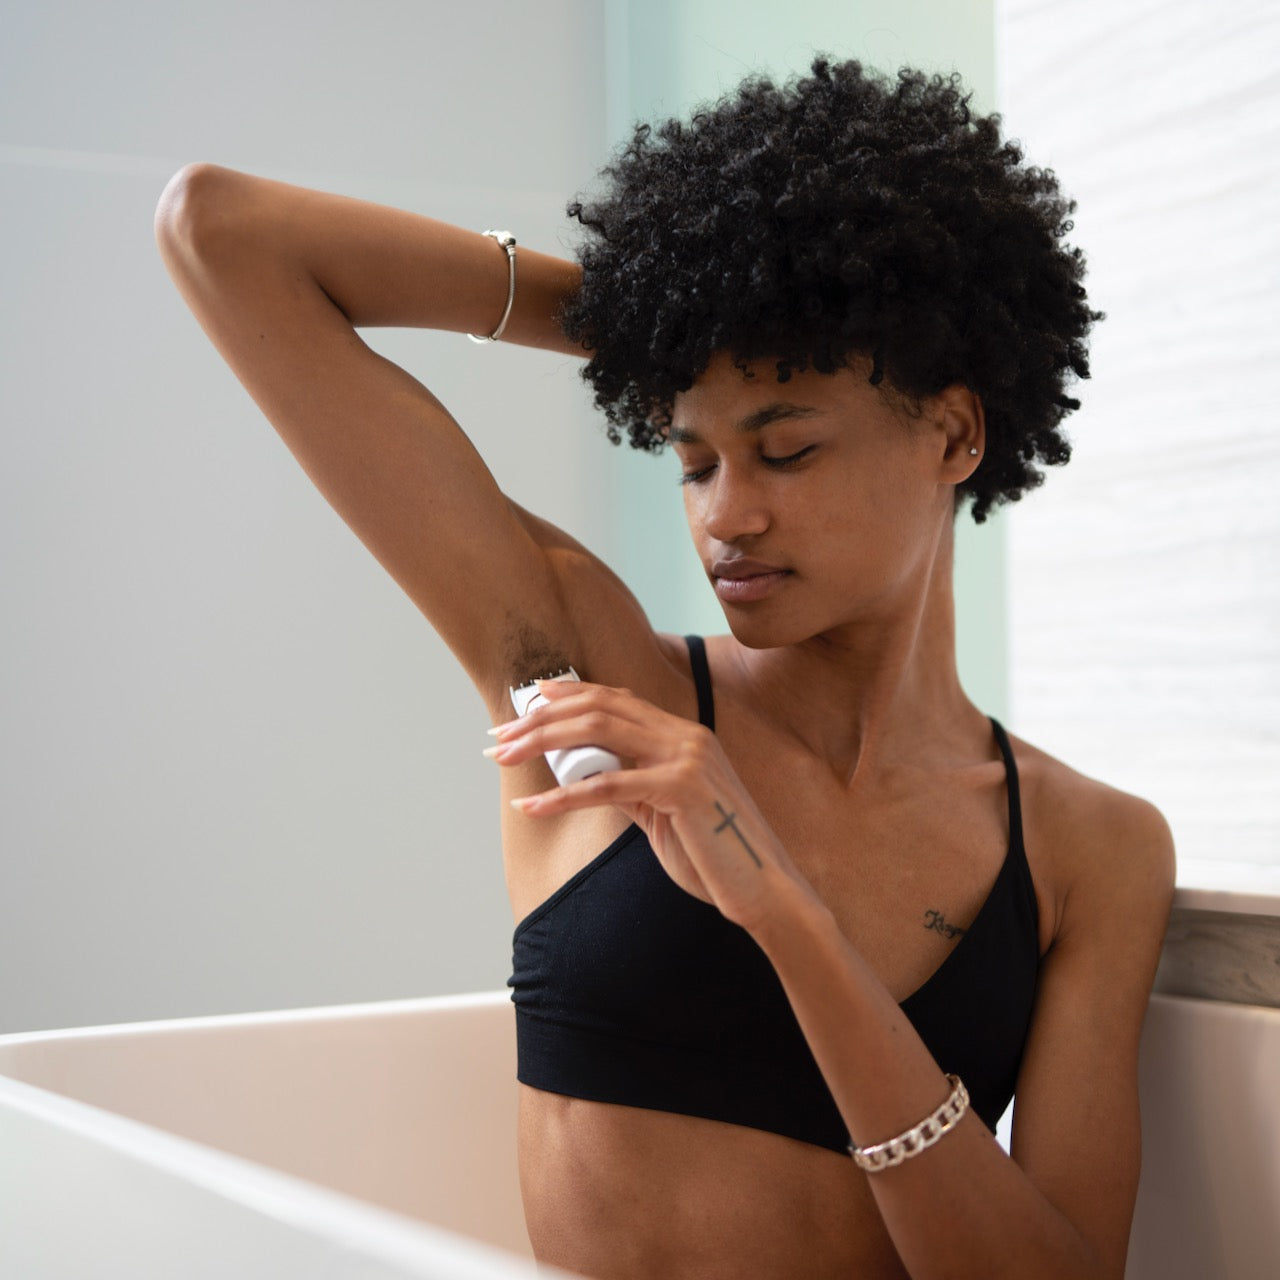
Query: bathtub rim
x,y
346,1222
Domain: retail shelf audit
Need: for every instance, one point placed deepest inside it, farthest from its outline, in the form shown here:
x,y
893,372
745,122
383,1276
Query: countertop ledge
x,y
1230,901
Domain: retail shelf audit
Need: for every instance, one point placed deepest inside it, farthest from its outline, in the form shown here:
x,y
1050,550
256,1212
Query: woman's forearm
x,y
378,265
960,1208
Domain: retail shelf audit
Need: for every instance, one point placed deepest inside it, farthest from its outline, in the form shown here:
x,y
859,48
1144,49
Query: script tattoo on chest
x,y
729,821
936,921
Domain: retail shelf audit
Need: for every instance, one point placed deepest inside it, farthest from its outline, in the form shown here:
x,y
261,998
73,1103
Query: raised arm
x,y
280,277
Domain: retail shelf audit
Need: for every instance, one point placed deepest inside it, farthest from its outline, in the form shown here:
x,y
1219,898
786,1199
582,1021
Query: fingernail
x,y
493,752
524,803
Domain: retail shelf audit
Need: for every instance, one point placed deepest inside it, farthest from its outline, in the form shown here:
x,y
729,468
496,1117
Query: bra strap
x,y
702,681
1017,850
1011,783
1015,808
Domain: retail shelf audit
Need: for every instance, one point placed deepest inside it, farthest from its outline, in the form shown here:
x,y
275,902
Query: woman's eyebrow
x,y
752,422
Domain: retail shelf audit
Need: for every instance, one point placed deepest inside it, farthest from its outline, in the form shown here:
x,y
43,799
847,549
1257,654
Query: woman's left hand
x,y
679,789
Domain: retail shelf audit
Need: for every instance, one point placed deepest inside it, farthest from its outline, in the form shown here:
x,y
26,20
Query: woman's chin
x,y
760,629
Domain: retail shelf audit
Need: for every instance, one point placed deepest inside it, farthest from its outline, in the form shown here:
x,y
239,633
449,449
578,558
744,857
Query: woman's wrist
x,y
379,266
795,913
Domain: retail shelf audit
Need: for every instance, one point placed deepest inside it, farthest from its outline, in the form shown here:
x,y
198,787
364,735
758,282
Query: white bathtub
x,y
1209,1200
378,1141
360,1141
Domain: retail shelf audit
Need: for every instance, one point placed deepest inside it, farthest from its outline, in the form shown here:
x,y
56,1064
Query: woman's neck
x,y
875,693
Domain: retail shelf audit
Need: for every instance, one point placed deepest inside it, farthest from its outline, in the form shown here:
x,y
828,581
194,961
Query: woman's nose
x,y
734,507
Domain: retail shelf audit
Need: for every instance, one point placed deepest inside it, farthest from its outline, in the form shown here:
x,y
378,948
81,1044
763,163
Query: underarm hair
x,y
529,653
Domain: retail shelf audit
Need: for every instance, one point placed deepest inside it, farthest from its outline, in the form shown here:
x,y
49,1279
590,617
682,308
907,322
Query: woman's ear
x,y
960,419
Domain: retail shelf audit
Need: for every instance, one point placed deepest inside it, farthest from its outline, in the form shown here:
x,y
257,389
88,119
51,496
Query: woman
x,y
836,904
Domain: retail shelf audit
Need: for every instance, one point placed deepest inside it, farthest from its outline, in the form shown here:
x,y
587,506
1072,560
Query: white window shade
x,y
1145,576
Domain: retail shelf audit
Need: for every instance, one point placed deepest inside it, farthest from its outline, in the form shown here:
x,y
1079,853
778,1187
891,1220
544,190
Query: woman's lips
x,y
744,588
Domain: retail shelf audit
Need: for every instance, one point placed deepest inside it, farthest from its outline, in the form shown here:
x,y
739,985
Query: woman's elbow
x,y
195,216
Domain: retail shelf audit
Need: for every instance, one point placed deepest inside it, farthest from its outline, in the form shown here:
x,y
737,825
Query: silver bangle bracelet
x,y
508,243
884,1155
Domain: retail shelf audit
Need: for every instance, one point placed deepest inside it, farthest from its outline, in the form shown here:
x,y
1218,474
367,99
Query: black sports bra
x,y
630,990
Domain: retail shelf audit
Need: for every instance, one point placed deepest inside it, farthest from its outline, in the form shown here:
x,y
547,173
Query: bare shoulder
x,y
1096,849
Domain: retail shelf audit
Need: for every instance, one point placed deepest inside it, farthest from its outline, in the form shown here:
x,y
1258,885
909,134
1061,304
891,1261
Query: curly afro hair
x,y
843,217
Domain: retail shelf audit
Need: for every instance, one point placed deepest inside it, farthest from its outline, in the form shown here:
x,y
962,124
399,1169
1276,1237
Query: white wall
x,y
237,769
1145,578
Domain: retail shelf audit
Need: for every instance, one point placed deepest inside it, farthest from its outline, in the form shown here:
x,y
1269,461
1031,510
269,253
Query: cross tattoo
x,y
729,821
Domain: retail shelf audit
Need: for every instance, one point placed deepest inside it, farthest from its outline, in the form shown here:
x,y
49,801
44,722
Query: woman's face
x,y
814,504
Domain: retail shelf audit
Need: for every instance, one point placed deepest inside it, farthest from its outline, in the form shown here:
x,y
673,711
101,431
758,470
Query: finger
x,y
667,786
561,688
595,728
568,698
551,692
627,788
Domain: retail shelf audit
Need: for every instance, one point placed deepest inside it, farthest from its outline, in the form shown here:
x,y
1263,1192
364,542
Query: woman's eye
x,y
697,474
790,459
693,477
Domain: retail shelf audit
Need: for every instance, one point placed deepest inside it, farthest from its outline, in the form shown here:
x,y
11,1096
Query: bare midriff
x,y
623,1193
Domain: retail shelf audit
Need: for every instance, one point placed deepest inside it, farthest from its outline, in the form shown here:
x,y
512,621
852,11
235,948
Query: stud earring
x,y
973,453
